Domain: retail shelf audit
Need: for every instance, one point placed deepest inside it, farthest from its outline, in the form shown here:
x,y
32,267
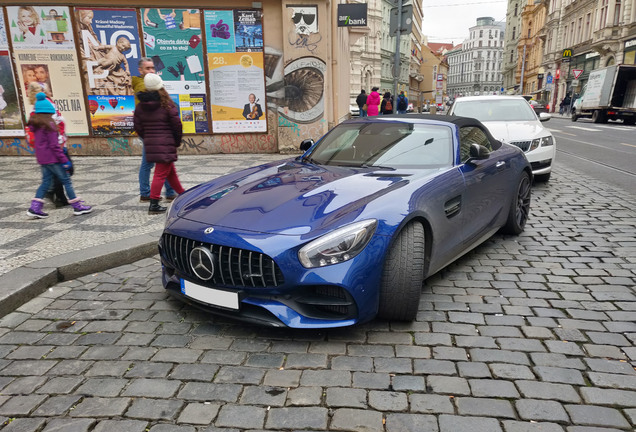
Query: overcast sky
x,y
449,20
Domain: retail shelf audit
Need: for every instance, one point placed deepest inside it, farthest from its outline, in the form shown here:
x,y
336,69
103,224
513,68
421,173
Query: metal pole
x,y
523,67
396,60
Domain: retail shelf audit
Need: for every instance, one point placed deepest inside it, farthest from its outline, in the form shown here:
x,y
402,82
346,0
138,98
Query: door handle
x,y
500,165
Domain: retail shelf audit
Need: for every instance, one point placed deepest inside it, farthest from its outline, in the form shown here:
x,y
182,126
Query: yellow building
x,y
530,48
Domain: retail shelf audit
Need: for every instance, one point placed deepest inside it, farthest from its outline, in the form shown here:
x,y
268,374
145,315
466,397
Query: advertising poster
x,y
248,30
236,70
59,72
109,46
40,27
10,116
192,111
237,92
172,38
219,31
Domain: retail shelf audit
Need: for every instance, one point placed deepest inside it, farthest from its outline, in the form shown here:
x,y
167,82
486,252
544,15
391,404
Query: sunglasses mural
x,y
305,19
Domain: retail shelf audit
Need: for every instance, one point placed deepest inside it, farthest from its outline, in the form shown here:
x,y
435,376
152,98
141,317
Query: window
x,y
516,8
588,28
579,30
529,29
617,13
514,32
603,14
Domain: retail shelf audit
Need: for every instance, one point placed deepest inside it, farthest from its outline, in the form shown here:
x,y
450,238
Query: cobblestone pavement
x,y
528,333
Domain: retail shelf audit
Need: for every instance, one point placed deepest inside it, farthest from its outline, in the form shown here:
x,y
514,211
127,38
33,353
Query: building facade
x,y
292,55
476,67
583,35
511,40
529,72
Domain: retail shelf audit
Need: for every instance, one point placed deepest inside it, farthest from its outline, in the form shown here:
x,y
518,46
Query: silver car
x,y
511,119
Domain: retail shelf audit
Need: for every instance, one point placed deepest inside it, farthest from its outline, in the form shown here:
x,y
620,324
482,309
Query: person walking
x,y
373,102
56,192
387,104
361,100
158,124
53,162
402,103
146,66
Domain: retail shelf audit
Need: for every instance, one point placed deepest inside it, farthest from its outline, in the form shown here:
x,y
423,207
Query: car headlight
x,y
544,141
337,246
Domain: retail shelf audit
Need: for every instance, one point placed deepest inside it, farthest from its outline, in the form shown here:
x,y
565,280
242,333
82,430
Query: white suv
x,y
511,119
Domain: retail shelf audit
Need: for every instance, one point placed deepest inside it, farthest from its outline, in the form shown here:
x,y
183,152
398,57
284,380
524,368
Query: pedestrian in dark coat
x,y
157,122
387,104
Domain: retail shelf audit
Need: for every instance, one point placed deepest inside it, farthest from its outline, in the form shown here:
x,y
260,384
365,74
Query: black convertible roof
x,y
457,120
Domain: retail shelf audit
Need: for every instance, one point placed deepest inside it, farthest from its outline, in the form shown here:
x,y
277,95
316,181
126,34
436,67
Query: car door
x,y
484,200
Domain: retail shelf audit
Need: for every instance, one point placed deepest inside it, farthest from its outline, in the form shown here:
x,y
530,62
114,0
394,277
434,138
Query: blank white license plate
x,y
211,296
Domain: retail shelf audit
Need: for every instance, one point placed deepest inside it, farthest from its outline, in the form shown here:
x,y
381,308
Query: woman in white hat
x,y
157,122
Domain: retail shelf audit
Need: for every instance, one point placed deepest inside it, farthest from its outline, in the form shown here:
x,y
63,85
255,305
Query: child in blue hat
x,y
53,162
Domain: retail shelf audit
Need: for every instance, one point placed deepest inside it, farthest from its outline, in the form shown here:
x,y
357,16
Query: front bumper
x,y
338,295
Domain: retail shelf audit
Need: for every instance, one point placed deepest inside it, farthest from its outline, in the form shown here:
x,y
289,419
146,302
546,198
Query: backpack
x,y
388,106
402,104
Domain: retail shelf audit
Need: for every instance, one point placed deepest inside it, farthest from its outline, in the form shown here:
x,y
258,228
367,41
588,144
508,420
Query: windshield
x,y
489,110
386,144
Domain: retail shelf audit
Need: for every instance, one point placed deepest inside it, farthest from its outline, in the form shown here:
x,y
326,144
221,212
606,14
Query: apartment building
x,y
511,40
475,66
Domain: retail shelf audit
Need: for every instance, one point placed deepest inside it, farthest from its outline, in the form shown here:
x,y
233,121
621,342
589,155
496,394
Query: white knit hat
x,y
153,82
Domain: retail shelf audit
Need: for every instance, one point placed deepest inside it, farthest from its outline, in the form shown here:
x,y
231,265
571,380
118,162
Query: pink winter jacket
x,y
373,102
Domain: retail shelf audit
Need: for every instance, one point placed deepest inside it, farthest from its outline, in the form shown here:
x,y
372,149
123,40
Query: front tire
x,y
574,116
519,206
403,275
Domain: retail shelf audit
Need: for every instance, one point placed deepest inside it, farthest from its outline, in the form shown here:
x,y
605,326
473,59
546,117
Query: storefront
x,y
213,61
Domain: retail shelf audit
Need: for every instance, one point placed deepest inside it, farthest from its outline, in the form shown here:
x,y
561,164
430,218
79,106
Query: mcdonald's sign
x,y
567,55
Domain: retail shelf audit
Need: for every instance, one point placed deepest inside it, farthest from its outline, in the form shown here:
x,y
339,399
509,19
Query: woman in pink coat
x,y
373,102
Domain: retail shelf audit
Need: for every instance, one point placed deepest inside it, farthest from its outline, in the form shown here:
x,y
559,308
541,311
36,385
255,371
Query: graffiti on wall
x,y
17,146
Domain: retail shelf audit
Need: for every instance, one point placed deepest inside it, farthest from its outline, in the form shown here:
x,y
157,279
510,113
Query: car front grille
x,y
523,145
233,266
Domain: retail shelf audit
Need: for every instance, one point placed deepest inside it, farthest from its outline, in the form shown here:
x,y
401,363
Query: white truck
x,y
610,94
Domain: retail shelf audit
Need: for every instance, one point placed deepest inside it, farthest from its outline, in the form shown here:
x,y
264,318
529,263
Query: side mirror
x,y
478,152
544,117
306,144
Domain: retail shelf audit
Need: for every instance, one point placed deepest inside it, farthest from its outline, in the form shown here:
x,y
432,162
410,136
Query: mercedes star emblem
x,y
209,230
202,262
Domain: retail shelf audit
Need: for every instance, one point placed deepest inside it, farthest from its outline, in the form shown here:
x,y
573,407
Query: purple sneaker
x,y
36,209
79,207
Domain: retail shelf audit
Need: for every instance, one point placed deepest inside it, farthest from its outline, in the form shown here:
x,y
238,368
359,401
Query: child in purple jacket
x,y
53,162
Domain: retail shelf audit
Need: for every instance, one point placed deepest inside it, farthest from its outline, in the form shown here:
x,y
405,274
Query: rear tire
x,y
403,275
598,117
630,121
519,206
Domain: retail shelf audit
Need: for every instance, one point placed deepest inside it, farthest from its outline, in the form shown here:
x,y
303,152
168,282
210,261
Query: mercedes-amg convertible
x,y
350,229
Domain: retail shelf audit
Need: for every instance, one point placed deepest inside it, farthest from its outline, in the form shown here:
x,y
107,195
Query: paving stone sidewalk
x,y
524,334
110,184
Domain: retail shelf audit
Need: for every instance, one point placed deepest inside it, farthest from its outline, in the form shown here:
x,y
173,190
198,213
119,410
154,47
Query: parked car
x,y
355,110
539,106
350,229
511,119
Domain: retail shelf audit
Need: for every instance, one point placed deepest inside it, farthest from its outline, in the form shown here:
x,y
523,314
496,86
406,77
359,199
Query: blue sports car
x,y
349,230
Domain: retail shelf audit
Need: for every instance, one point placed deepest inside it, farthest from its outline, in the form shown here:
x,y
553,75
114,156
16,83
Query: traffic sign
x,y
577,73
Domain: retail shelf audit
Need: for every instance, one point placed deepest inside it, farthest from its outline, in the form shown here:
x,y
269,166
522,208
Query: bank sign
x,y
352,15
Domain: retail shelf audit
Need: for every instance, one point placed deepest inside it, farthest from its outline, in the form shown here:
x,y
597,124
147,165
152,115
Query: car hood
x,y
295,198
516,131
